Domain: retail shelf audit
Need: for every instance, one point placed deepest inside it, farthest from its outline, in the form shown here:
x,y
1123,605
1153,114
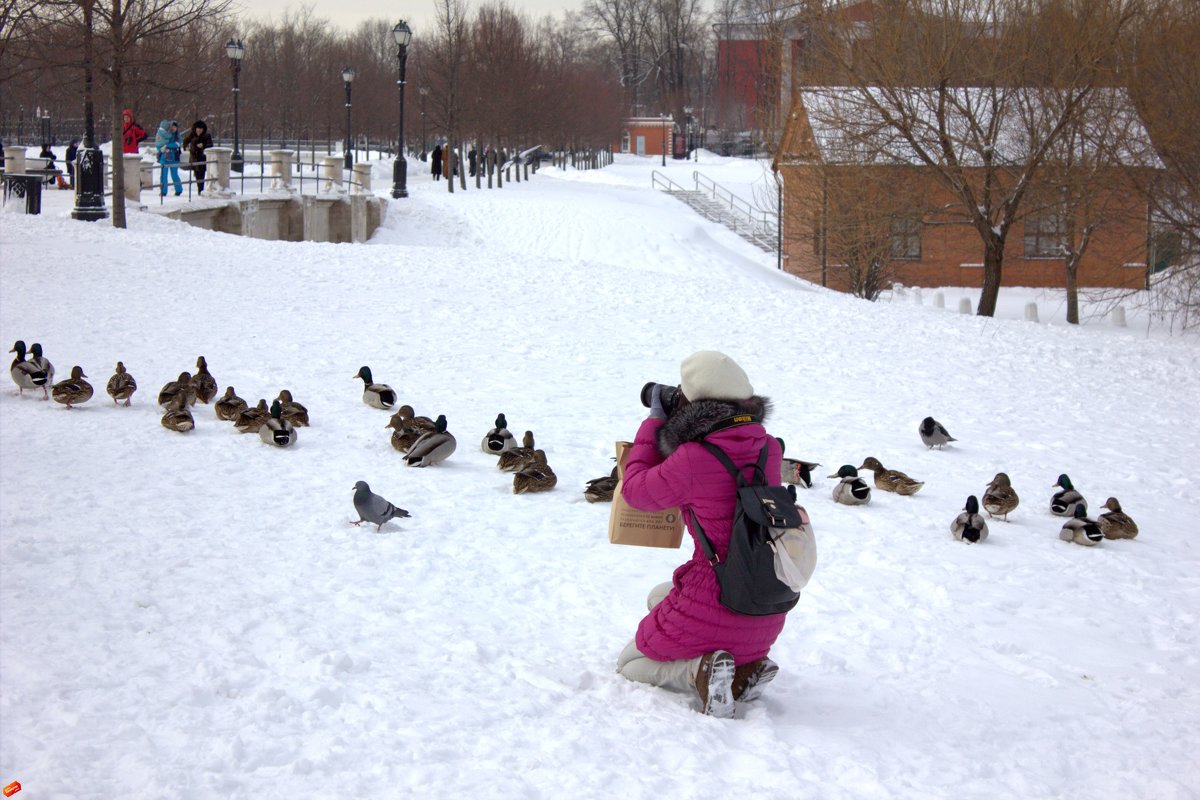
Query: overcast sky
x,y
420,14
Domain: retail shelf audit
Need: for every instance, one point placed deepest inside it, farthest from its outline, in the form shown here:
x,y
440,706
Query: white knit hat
x,y
709,375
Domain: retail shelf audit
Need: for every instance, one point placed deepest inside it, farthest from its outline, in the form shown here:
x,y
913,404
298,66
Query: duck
x,y
1080,529
249,420
999,497
229,406
41,362
499,439
180,386
933,434
1115,523
203,383
1064,502
433,447
291,411
535,476
407,428
600,490
376,395
512,460
121,385
74,390
795,471
276,430
852,490
178,417
891,480
26,374
970,526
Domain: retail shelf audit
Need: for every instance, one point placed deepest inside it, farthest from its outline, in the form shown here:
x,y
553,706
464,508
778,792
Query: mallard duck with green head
x,y
376,395
204,385
291,411
795,471
249,420
121,385
74,390
181,386
535,476
851,490
41,362
499,439
178,417
433,447
891,480
1064,502
1115,523
26,374
999,498
1081,529
276,430
970,526
229,406
516,458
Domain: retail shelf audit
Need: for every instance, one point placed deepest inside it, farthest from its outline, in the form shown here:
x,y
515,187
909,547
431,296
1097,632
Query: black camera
x,y
668,395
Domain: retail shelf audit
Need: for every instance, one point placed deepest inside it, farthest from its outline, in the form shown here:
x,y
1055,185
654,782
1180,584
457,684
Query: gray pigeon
x,y
373,508
933,434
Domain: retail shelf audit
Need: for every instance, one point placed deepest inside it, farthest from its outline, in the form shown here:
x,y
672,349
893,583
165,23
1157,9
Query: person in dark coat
x,y
48,154
472,160
197,140
435,160
72,152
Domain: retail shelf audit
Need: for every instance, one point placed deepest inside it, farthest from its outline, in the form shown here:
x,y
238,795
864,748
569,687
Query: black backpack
x,y
747,576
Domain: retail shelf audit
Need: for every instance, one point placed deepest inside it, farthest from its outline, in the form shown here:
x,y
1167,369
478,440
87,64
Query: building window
x,y
624,141
1045,235
906,239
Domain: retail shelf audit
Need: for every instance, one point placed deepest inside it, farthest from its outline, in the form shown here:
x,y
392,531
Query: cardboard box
x,y
627,525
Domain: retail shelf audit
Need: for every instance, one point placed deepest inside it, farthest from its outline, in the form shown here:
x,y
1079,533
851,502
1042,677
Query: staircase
x,y
717,204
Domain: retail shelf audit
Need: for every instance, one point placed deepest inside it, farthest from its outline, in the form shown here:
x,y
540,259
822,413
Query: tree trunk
x,y
1072,264
116,35
993,263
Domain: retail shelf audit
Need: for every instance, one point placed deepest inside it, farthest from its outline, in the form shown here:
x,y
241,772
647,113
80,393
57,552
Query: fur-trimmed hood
x,y
698,419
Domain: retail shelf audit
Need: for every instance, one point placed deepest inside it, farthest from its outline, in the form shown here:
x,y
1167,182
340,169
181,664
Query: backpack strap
x,y
705,544
760,466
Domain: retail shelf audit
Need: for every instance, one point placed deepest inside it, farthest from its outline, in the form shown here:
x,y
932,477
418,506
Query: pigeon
x,y
933,434
373,508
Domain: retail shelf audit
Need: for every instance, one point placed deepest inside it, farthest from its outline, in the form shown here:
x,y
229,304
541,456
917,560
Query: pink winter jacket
x,y
691,620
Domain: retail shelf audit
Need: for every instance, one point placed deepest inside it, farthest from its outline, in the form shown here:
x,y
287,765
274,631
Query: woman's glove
x,y
656,406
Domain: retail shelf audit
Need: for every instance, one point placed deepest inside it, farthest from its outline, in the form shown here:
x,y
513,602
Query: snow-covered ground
x,y
194,616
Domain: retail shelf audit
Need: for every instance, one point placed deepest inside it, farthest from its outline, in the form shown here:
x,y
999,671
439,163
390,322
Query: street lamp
x,y
403,35
348,78
89,165
690,137
236,50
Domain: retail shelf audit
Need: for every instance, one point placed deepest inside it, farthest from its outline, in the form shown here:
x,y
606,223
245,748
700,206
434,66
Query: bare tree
x,y
627,24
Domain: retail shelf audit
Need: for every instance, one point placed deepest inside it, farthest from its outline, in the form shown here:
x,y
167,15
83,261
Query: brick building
x,y
647,136
829,167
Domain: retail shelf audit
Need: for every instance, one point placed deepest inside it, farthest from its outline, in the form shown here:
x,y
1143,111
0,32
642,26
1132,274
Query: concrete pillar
x,y
146,170
917,296
281,166
1031,314
939,300
1118,316
14,160
219,159
964,305
133,176
362,177
331,173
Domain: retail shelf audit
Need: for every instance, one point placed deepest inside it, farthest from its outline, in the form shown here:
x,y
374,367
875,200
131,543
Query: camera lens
x,y
647,394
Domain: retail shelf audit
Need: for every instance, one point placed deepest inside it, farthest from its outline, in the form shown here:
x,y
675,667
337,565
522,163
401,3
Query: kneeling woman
x,y
689,641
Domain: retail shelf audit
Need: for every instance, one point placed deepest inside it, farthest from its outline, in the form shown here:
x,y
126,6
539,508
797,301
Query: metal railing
x,y
766,220
663,183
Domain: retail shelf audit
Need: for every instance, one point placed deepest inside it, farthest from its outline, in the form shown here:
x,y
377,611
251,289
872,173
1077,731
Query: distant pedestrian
x,y
48,154
132,134
197,140
72,154
435,162
472,161
166,144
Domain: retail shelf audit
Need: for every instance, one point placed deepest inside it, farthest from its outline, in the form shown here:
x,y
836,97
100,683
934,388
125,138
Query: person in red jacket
x,y
689,641
132,133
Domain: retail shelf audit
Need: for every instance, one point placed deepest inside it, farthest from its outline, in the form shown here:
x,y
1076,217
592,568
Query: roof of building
x,y
1000,125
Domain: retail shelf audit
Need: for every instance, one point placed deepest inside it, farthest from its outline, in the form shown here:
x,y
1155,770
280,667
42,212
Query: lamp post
x,y
236,50
690,137
403,35
89,183
348,78
664,140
